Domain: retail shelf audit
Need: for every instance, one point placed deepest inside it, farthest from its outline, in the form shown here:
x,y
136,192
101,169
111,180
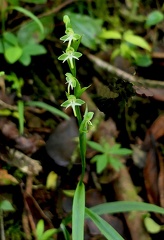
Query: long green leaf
x,y
78,212
21,116
65,232
106,229
126,206
48,108
30,15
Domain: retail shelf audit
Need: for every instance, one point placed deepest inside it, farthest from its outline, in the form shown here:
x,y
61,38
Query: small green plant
x,y
73,94
23,44
109,155
128,47
152,226
41,234
16,85
5,206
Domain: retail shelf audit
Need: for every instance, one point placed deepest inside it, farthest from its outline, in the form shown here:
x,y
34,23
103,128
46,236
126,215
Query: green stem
x,y
79,117
82,142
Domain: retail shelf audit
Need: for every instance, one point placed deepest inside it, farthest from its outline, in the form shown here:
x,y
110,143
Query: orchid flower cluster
x,y
70,55
74,89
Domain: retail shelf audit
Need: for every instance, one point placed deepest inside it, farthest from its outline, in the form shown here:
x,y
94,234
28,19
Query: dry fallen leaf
x,y
6,178
154,168
61,143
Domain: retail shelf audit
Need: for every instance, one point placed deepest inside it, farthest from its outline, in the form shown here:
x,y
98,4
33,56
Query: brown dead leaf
x,y
151,177
6,178
27,144
61,143
158,93
155,132
161,180
20,160
154,168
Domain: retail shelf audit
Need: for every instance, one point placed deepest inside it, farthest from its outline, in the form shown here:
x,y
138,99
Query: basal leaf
x,y
126,206
106,229
65,232
78,212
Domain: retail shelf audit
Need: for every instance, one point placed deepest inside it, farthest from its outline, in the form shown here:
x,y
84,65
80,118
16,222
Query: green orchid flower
x,y
72,102
71,81
86,121
69,56
70,36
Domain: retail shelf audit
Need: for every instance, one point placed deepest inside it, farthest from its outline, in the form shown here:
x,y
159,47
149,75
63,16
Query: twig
x,y
56,9
8,106
25,224
120,73
23,162
2,232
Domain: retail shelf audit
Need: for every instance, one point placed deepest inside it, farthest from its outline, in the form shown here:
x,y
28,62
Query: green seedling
x,y
41,234
129,46
14,47
109,155
16,85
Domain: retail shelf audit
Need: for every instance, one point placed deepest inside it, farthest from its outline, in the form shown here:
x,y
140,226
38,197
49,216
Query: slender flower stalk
x,y
74,101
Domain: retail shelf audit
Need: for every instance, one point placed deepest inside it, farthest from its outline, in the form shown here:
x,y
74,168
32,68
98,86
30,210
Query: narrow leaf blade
x,y
30,15
126,206
106,229
78,213
48,108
